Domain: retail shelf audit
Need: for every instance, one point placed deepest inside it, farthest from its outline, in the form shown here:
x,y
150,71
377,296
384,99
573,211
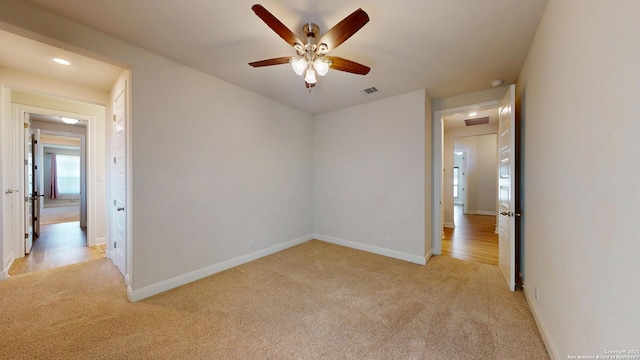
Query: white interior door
x,y
28,186
506,188
120,199
38,187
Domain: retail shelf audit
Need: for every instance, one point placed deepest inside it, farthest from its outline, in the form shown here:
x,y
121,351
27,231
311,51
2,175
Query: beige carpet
x,y
60,214
312,301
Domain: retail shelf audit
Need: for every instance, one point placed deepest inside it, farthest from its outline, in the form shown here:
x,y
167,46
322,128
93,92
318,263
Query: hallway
x,y
58,245
473,238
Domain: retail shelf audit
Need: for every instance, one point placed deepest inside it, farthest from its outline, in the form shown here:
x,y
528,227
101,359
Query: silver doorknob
x,y
120,209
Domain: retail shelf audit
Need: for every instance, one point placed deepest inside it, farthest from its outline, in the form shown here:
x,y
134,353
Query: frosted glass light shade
x,y
298,64
310,77
321,66
70,121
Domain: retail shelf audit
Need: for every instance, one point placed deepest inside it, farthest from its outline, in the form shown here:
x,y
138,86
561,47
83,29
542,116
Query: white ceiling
x,y
456,121
55,120
446,47
17,52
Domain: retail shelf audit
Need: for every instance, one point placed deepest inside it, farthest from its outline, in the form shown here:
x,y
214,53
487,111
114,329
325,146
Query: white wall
x,y
578,99
482,172
482,96
369,176
428,177
7,201
239,167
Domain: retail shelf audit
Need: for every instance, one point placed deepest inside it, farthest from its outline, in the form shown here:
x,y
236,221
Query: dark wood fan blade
x,y
344,29
276,25
269,62
338,63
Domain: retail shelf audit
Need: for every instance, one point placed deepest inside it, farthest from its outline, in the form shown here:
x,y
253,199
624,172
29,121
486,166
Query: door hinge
x,y
26,125
114,159
114,202
114,117
26,162
115,244
36,167
26,236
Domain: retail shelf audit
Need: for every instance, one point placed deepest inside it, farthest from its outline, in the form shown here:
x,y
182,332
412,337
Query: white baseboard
x,y
65,203
4,274
157,288
375,249
551,349
449,225
101,240
109,254
428,256
481,212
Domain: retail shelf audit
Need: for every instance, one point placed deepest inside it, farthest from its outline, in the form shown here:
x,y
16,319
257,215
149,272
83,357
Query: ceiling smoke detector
x,y
496,83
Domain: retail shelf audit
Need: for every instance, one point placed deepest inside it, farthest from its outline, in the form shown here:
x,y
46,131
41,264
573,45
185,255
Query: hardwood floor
x,y
58,245
474,238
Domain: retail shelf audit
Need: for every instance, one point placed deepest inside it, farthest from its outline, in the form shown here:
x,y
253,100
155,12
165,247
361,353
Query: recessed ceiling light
x,y
69,121
473,114
61,61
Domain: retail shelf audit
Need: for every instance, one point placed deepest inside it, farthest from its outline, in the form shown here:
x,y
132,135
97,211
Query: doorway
x,y
473,238
34,84
450,124
64,232
472,234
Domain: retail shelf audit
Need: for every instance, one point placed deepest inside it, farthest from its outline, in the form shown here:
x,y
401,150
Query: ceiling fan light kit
x,y
311,59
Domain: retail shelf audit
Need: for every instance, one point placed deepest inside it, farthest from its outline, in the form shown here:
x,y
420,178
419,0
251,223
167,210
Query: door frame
x,y
84,201
18,111
462,179
437,231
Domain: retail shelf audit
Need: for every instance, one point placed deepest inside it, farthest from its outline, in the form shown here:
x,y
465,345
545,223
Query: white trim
x,y
481,212
109,255
157,288
4,274
375,249
438,143
428,256
101,240
449,225
546,337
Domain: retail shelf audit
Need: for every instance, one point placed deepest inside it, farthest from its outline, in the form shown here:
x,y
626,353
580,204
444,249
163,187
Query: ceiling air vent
x,y
370,90
477,121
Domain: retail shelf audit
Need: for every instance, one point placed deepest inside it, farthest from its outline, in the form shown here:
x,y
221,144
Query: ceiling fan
x,y
311,57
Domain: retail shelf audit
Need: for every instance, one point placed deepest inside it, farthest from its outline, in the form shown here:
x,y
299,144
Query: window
x,y
456,172
68,174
